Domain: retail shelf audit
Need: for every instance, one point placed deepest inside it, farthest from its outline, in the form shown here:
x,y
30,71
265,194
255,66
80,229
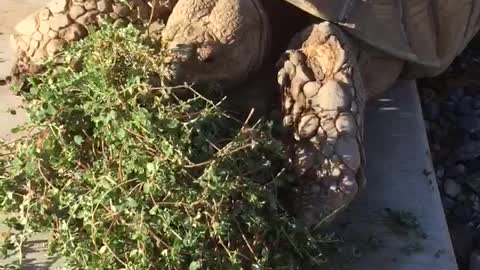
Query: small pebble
x,y
473,166
451,188
428,126
456,95
475,260
436,148
456,171
440,172
444,122
448,106
475,202
431,110
461,197
469,123
468,150
465,106
448,203
463,213
476,222
475,136
476,103
462,239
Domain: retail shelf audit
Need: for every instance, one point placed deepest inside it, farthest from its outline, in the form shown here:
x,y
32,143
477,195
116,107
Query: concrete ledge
x,y
400,176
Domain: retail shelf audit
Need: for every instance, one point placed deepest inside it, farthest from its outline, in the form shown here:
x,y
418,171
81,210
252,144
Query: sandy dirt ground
x,y
11,12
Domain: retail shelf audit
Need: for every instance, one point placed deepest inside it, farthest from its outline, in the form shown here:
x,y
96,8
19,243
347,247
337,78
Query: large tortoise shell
x,y
426,33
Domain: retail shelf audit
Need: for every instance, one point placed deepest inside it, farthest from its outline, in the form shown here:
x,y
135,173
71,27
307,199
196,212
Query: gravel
x,y
451,110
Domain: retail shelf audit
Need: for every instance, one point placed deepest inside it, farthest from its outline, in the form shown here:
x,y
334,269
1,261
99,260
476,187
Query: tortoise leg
x,y
322,101
60,22
379,70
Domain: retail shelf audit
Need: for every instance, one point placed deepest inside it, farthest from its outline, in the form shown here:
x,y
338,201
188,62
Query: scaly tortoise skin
x,y
209,29
352,51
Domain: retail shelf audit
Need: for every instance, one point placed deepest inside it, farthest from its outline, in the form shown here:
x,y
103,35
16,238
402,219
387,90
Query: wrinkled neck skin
x,y
230,42
222,41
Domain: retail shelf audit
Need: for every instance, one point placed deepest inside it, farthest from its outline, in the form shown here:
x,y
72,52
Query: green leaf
x,y
172,124
16,130
153,211
194,265
78,139
103,249
150,167
147,187
132,203
121,133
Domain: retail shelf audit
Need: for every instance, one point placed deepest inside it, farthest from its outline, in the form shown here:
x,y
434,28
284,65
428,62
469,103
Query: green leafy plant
x,y
125,174
402,222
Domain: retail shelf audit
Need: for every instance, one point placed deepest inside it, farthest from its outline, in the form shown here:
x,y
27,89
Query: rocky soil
x,y
451,108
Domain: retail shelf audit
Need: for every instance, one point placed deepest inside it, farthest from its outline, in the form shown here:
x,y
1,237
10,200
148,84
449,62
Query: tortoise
x,y
318,60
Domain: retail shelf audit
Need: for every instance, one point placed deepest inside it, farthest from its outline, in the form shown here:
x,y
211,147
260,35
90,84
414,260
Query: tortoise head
x,y
220,41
